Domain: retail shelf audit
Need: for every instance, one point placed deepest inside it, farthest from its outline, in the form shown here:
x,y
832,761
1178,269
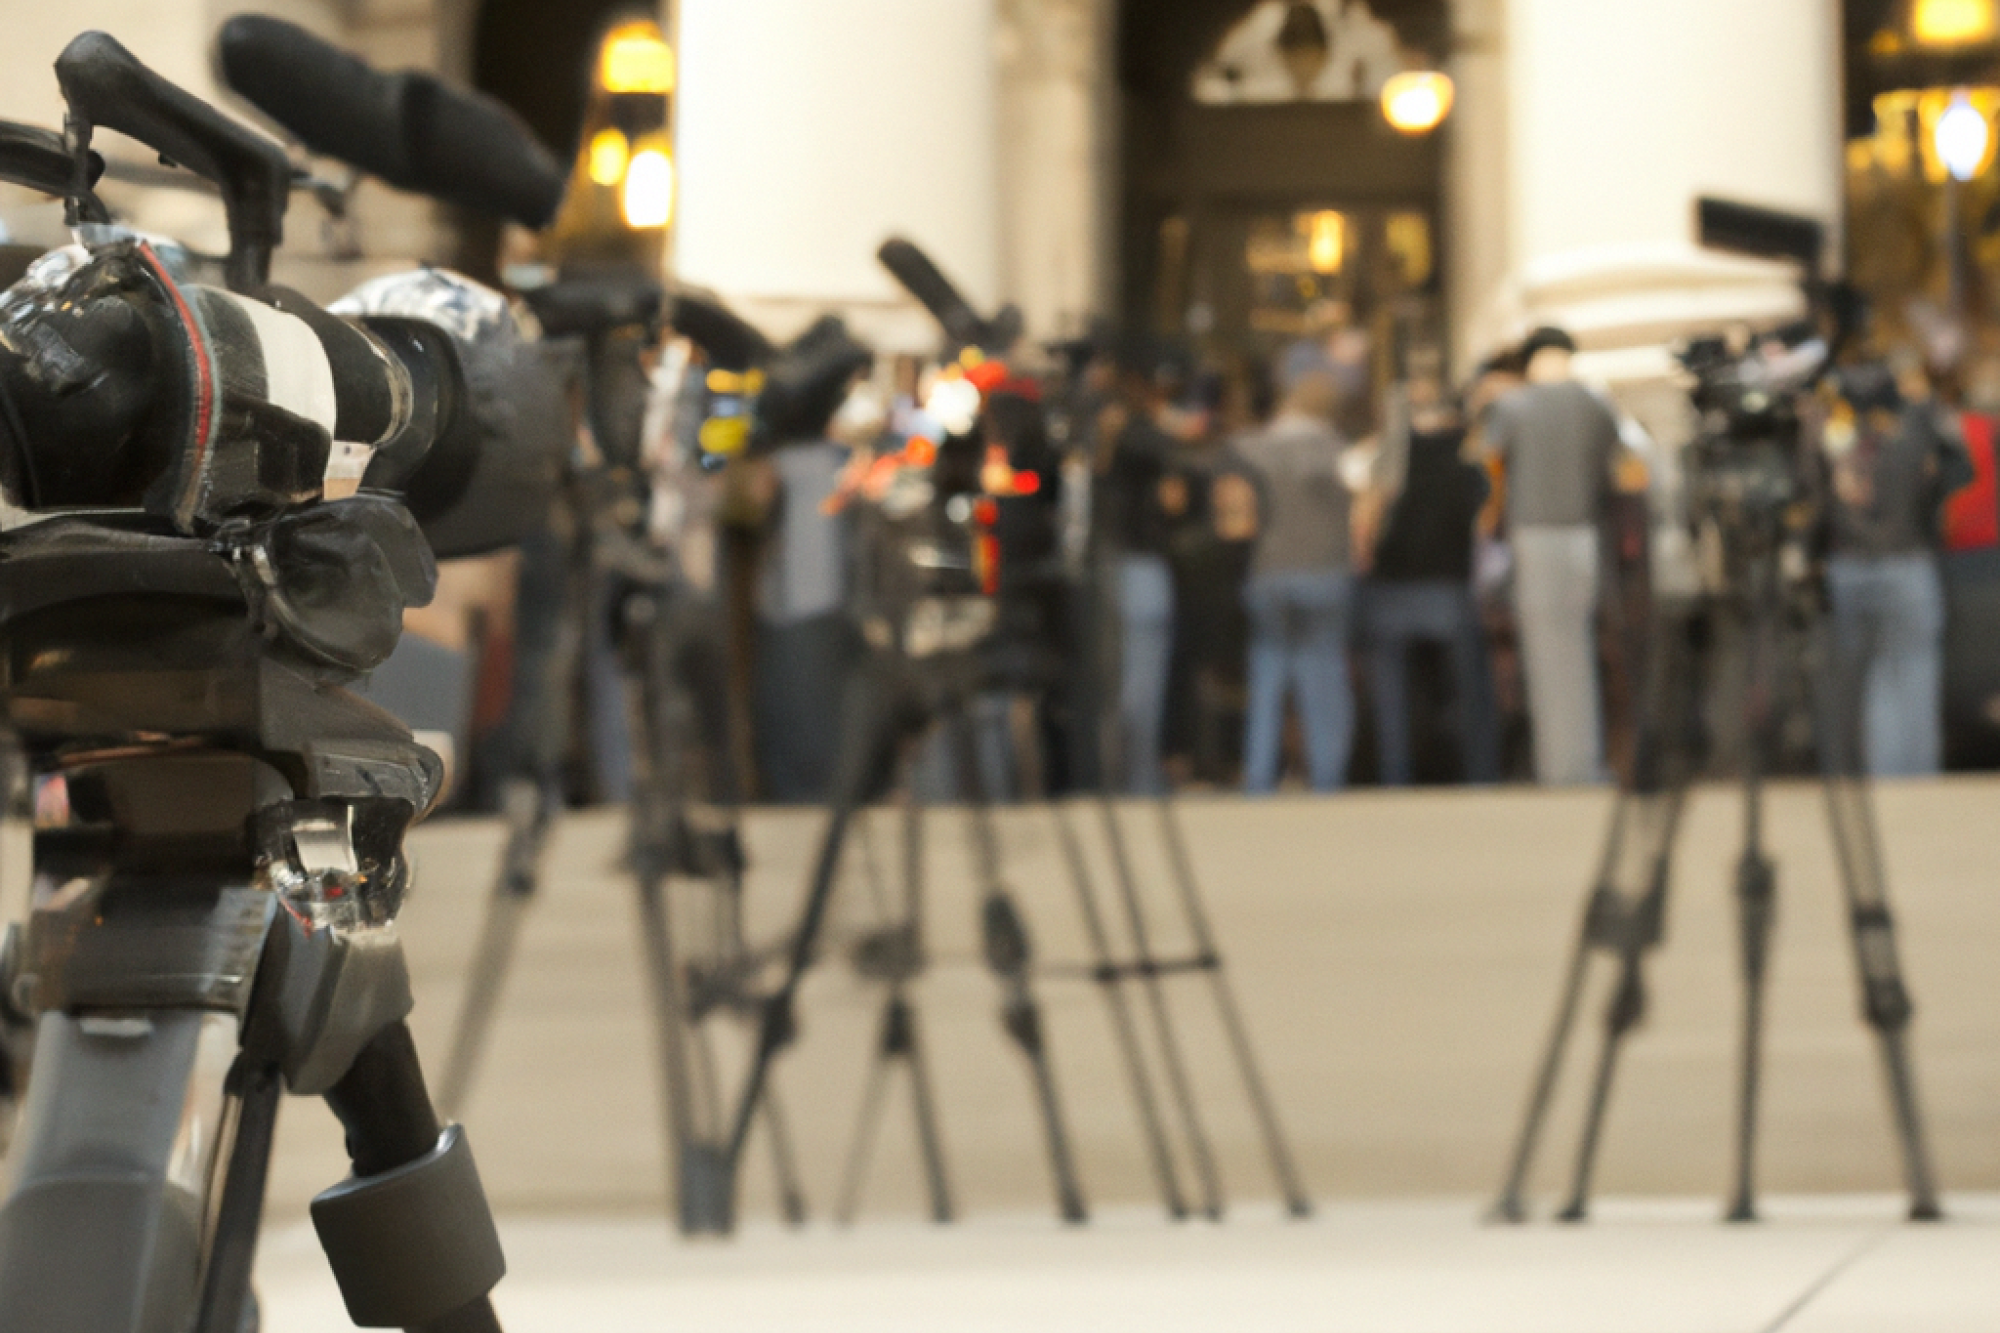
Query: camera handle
x,y
104,84
38,159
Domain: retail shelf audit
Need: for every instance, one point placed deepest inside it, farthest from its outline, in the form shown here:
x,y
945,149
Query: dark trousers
x,y
1398,615
802,671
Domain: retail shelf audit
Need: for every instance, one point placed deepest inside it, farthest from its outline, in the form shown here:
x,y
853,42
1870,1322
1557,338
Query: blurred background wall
x,y
1054,152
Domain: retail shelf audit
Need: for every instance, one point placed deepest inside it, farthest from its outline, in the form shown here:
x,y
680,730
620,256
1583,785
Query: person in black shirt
x,y
1135,461
1420,591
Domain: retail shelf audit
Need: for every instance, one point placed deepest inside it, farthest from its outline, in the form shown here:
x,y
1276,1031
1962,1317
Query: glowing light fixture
x,y
1417,101
648,200
1962,137
1326,241
636,59
608,156
1954,22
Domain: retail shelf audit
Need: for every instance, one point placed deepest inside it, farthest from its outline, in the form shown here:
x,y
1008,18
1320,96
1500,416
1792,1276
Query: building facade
x,y
1055,152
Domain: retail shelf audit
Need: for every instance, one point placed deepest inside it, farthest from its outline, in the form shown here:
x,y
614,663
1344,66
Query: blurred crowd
x,y
1293,572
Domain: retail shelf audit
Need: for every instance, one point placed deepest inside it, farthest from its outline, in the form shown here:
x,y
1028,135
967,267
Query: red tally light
x,y
987,375
919,452
986,512
989,562
1027,483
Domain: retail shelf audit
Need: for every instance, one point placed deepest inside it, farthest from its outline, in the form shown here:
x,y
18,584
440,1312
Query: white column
x,y
1476,214
1620,113
1053,149
809,132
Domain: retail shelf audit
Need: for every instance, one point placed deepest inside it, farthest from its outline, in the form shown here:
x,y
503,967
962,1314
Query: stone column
x,y
1053,159
1620,113
809,132
1476,214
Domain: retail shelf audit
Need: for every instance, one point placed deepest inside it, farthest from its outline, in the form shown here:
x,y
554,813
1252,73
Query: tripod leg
x,y
1113,988
1156,1003
865,1125
529,813
784,1163
871,715
383,1105
1004,937
1628,1005
1510,1207
656,944
1631,924
924,1106
225,1295
1756,900
1254,1086
1885,999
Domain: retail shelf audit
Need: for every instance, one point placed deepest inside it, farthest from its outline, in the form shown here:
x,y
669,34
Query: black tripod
x,y
895,955
894,696
1149,970
1625,913
671,657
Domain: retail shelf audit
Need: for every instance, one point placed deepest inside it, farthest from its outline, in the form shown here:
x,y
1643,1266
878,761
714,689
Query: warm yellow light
x,y
1953,22
1326,241
607,157
1906,141
649,189
1417,101
636,59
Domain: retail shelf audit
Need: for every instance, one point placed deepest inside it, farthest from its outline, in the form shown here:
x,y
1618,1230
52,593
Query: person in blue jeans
x,y
1135,459
1894,454
1300,594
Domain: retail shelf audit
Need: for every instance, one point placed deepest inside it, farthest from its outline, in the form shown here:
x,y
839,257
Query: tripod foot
x,y
708,1202
1298,1208
1741,1211
1926,1210
1576,1211
1508,1209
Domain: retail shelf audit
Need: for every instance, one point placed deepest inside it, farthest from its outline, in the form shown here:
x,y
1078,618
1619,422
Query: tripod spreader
x,y
1153,967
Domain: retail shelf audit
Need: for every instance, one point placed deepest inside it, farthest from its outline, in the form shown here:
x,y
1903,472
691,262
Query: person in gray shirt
x,y
1300,593
805,643
1558,442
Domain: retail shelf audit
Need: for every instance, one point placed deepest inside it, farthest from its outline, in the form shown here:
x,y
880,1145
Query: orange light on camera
x,y
986,557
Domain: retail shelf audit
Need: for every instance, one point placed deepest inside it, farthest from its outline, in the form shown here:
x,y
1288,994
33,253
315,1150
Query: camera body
x,y
1751,488
926,563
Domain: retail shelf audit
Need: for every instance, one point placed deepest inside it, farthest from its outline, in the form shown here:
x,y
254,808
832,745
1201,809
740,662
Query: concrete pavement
x,y
1397,956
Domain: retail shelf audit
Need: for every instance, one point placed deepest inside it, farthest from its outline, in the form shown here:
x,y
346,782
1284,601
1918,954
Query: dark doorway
x,y
535,56
1239,219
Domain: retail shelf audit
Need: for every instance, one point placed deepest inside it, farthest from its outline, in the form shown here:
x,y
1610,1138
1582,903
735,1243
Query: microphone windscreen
x,y
728,340
923,280
408,129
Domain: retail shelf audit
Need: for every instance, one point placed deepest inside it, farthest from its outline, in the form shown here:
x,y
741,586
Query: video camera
x,y
1751,484
307,445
